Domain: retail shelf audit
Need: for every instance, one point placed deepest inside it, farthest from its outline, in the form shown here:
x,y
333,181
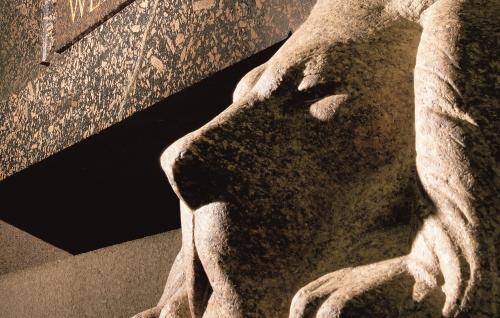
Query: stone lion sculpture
x,y
353,175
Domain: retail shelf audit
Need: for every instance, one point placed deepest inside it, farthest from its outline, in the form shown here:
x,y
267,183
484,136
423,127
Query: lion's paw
x,y
331,294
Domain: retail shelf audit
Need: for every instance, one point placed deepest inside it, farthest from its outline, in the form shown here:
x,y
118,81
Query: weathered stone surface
x,y
147,51
354,175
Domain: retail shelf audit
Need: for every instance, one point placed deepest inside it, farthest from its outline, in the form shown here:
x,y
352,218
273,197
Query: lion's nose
x,y
191,176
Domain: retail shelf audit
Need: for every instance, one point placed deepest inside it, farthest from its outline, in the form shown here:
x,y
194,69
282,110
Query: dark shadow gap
x,y
110,187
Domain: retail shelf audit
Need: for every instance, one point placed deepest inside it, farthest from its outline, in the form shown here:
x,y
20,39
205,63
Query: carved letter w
x,y
81,5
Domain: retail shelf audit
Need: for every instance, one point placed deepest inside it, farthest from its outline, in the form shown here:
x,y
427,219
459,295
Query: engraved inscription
x,y
83,7
76,18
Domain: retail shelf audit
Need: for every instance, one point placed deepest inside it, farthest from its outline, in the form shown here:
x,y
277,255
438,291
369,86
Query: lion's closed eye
x,y
325,109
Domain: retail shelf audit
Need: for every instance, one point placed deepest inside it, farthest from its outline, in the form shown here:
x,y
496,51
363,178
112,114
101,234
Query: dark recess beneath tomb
x,y
110,187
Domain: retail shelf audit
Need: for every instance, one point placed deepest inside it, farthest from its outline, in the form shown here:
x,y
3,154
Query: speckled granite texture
x,y
144,53
354,174
20,38
113,282
74,19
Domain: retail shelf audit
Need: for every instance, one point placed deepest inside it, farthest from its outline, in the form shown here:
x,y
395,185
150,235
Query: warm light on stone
x,y
353,175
